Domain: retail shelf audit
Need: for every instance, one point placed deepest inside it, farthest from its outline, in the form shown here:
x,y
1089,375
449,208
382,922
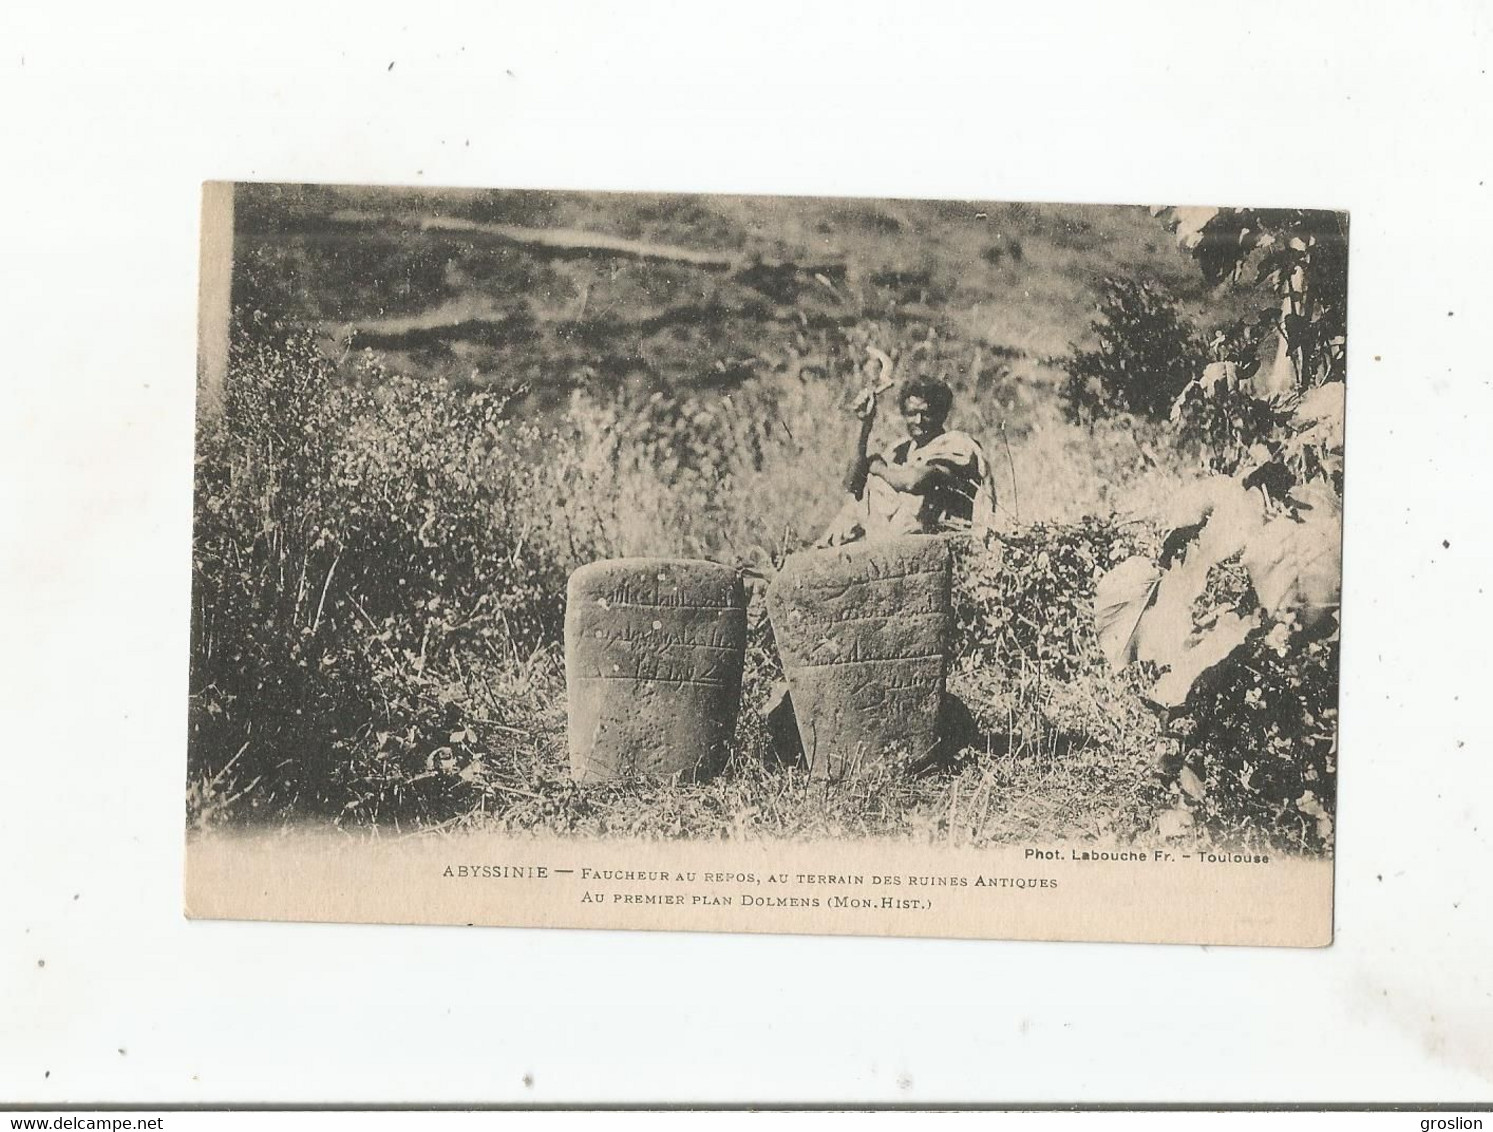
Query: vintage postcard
x,y
761,564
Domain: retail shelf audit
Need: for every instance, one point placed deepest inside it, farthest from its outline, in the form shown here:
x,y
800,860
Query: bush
x,y
363,553
1257,737
1265,742
1027,605
1219,417
1148,352
1233,634
1252,696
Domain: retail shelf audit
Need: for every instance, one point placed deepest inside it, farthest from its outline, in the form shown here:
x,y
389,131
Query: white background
x,y
114,114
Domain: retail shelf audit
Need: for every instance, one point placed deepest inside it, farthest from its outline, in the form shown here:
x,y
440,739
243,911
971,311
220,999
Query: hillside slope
x,y
1016,280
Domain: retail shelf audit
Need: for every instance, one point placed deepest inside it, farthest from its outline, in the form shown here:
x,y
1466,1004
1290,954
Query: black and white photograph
x,y
678,518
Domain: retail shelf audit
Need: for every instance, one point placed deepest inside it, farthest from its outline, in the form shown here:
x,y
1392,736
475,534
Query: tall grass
x,y
753,472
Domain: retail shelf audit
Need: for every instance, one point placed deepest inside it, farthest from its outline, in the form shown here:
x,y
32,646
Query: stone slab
x,y
654,650
863,632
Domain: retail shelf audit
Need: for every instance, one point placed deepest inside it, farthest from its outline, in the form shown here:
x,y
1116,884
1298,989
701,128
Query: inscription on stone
x,y
653,660
863,633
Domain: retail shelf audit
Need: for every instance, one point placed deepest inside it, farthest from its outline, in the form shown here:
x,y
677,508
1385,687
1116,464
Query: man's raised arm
x,y
860,463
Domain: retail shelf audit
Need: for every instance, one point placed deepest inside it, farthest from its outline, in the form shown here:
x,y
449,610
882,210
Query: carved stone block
x,y
863,631
654,650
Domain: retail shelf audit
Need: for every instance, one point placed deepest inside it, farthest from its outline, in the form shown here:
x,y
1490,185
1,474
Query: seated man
x,y
936,481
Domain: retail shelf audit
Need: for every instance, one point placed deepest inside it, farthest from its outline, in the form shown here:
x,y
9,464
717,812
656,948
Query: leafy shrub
x,y
1236,622
1221,419
1234,625
1027,603
362,553
1148,352
1263,744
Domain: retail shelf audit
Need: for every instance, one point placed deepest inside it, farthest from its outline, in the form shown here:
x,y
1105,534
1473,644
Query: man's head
x,y
925,405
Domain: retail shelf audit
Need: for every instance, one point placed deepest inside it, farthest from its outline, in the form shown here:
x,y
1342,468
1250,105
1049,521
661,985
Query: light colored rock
x,y
654,650
863,631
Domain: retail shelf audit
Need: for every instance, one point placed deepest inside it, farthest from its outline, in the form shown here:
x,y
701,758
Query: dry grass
x,y
1050,761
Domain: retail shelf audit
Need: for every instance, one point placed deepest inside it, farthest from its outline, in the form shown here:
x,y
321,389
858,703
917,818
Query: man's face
x,y
923,423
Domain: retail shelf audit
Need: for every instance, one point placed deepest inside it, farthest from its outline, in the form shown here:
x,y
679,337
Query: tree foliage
x,y
1147,353
1242,602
